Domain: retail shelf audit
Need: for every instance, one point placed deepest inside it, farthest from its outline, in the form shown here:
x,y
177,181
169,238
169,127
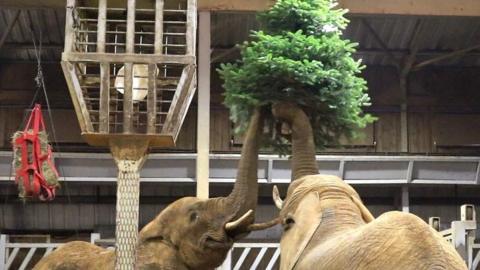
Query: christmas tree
x,y
300,56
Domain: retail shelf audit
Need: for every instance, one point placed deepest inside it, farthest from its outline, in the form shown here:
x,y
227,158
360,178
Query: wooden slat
x,y
151,99
180,102
259,258
273,260
77,97
130,38
9,28
69,34
104,97
121,58
101,25
191,26
158,26
128,99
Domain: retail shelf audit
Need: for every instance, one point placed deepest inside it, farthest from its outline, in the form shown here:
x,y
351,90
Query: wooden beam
x,y
387,7
158,43
446,56
128,99
104,97
9,28
101,25
191,26
203,115
152,99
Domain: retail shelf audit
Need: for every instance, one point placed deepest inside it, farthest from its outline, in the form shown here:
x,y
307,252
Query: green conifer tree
x,y
301,57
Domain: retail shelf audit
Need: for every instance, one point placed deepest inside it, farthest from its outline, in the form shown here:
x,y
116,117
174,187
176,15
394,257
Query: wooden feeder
x,y
131,73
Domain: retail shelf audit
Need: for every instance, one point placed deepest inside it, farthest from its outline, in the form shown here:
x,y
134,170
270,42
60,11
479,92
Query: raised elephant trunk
x,y
303,145
244,194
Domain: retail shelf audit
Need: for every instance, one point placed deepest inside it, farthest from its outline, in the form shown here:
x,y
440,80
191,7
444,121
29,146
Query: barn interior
x,y
421,155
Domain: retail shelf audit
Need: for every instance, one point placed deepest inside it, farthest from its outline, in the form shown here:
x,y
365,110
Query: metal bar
x,y
405,200
191,26
48,251
151,99
410,171
11,257
3,249
158,26
101,25
242,258
27,259
341,169
130,39
104,97
477,175
258,258
269,171
9,28
128,99
273,260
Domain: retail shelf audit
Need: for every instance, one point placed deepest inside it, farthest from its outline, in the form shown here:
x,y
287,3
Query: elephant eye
x,y
193,217
288,223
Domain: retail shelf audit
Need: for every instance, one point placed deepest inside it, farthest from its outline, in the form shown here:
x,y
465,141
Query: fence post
x,y
94,237
3,251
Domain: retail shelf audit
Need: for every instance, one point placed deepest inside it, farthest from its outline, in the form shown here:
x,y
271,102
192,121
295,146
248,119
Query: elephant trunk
x,y
303,145
245,191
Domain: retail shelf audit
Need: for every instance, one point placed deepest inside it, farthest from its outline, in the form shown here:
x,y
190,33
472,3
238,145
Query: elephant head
x,y
199,232
310,197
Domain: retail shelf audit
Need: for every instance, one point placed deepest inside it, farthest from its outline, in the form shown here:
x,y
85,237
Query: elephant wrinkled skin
x,y
326,225
190,233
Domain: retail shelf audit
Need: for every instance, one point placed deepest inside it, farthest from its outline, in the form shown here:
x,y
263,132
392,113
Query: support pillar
x,y
203,115
129,155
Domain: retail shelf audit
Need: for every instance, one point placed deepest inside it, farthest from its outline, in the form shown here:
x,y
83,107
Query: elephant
x,y
190,233
326,225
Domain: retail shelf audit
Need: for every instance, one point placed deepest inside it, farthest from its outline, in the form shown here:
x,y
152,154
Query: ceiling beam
x,y
405,7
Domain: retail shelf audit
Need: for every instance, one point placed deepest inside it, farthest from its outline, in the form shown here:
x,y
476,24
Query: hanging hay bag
x,y
35,172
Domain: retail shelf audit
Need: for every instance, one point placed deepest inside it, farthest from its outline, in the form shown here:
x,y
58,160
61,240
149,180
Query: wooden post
x,y
128,98
191,26
69,33
152,99
203,116
158,43
101,25
104,97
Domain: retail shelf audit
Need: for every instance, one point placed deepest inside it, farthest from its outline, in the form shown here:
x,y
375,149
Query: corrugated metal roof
x,y
439,35
45,24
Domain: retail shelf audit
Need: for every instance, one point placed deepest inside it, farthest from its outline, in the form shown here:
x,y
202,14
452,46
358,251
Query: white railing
x,y
21,256
462,235
252,256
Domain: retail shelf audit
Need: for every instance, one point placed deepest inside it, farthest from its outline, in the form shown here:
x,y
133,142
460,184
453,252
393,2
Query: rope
x,y
127,212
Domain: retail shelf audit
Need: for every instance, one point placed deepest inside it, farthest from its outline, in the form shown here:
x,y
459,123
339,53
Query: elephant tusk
x,y
264,225
276,198
230,226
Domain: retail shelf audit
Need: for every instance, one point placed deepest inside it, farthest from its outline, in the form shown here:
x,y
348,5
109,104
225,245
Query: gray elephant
x,y
190,233
326,225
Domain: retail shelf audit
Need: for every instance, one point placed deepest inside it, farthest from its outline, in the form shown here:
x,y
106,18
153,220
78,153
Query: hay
x,y
48,173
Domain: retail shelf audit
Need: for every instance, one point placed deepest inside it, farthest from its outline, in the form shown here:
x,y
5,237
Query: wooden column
x,y
203,120
128,70
69,34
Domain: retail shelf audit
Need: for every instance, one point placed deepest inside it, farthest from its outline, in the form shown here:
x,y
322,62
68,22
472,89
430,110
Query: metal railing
x,y
21,256
462,235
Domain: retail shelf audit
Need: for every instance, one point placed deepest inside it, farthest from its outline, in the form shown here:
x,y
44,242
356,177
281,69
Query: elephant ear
x,y
154,231
366,215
